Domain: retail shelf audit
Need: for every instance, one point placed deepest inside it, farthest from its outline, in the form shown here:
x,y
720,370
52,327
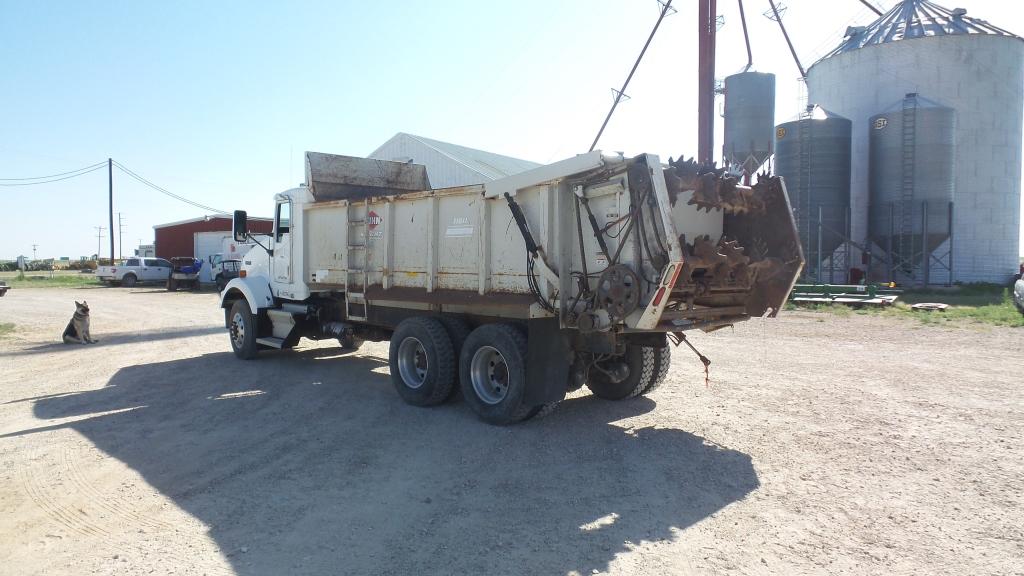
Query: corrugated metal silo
x,y
749,119
912,155
966,64
812,154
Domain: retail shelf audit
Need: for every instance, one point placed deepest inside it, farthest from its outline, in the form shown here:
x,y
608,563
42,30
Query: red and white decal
x,y
373,220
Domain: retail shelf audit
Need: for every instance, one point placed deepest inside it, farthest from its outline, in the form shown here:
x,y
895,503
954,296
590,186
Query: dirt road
x,y
853,445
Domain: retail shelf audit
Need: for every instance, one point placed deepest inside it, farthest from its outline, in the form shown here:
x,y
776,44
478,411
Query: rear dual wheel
x,y
492,369
647,368
427,355
422,361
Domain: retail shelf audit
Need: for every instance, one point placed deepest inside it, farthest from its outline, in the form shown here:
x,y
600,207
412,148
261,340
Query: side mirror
x,y
240,226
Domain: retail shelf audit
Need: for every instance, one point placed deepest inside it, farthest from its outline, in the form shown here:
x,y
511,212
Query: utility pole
x,y
34,246
707,23
120,231
99,241
110,187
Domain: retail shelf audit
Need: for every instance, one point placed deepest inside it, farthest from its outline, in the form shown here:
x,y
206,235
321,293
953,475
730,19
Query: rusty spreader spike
x,y
713,189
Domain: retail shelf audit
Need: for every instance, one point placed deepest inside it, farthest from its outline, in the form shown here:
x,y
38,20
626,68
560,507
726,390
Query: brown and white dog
x,y
77,331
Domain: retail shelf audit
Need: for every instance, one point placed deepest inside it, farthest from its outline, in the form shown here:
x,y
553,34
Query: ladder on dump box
x,y
356,260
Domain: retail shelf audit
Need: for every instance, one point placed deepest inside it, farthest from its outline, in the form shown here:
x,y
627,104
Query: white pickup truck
x,y
135,270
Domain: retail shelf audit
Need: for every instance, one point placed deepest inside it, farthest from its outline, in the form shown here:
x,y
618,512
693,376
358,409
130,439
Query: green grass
x,y
969,304
43,280
6,329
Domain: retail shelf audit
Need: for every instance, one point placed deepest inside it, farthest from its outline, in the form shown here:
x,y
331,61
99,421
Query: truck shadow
x,y
305,463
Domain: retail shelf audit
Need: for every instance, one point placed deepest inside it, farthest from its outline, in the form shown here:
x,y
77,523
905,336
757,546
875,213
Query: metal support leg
x,y
892,232
818,250
926,252
950,225
849,265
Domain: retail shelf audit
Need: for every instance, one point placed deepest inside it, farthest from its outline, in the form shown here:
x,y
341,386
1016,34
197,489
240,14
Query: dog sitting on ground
x,y
77,331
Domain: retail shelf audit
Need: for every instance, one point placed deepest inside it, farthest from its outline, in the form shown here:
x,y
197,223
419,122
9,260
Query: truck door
x,y
155,269
281,268
147,269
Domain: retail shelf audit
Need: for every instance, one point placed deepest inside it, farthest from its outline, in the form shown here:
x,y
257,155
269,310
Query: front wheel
x,y
242,330
129,280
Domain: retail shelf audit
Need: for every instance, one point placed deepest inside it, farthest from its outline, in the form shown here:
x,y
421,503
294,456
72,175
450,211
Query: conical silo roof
x,y
910,19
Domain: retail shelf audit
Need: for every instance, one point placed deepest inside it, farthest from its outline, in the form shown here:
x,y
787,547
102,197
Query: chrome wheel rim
x,y
489,375
237,330
412,362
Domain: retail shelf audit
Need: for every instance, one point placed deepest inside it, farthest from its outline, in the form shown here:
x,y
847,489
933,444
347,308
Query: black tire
x,y
349,342
242,330
647,369
129,280
662,360
172,285
458,331
221,283
496,394
422,361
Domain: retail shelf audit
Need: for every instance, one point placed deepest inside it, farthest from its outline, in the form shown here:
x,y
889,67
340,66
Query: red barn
x,y
182,238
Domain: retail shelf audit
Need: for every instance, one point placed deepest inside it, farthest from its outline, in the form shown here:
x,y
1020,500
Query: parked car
x,y
1018,292
135,270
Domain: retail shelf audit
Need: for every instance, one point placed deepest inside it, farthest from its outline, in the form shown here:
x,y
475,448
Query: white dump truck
x,y
580,272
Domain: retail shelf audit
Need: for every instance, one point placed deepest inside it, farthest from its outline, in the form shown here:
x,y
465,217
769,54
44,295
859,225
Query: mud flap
x,y
548,357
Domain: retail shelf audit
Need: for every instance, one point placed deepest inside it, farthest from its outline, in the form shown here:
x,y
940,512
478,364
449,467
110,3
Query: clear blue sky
x,y
217,101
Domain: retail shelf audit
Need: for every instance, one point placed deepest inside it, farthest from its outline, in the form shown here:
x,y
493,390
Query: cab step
x,y
271,341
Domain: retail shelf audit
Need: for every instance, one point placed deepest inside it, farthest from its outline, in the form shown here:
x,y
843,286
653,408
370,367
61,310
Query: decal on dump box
x,y
373,220
459,228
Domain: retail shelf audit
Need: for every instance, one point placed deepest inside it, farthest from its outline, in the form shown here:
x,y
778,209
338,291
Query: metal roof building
x,y
448,164
963,63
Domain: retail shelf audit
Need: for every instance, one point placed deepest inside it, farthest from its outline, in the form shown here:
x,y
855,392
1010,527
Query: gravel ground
x,y
841,445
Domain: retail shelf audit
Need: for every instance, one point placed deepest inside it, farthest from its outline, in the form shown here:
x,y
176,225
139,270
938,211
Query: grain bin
x,y
967,64
812,154
911,170
749,118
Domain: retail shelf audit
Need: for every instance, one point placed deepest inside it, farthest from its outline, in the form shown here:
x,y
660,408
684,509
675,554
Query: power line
x,y
73,175
162,190
55,175
34,180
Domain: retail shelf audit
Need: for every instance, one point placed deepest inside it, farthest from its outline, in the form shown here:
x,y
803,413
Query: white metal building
x,y
448,164
958,61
